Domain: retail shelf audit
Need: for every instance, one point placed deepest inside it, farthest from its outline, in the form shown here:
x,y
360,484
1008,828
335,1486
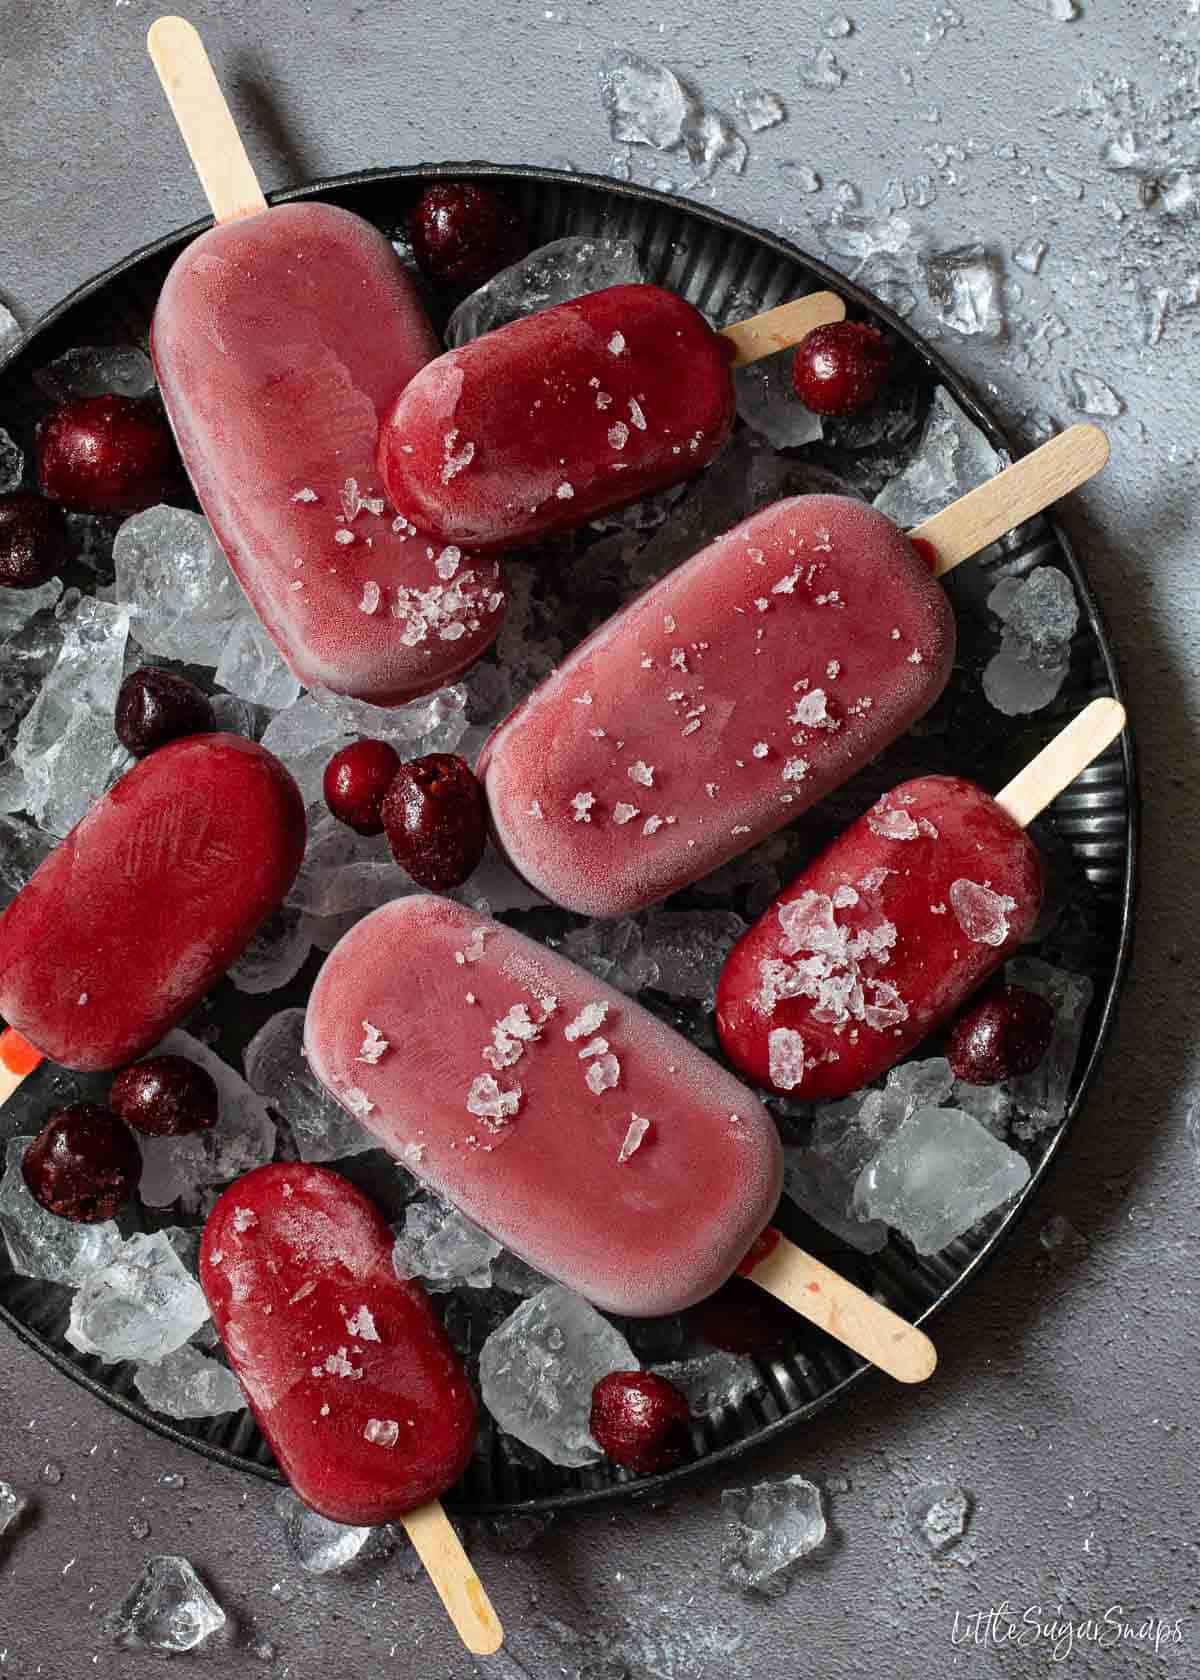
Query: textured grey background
x,y
1064,1401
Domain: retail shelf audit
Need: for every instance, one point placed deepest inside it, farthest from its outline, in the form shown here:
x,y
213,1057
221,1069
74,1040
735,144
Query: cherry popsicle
x,y
741,689
279,338
880,939
350,1375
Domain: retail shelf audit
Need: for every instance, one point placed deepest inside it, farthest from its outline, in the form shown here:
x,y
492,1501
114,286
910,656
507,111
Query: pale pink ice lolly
x,y
279,340
564,1118
719,705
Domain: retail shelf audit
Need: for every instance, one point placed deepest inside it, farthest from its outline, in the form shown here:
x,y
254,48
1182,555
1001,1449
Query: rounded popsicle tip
x,y
1093,445
915,1358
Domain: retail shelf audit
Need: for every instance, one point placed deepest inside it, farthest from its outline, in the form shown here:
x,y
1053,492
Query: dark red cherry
x,y
166,1096
1004,1034
841,368
154,707
107,455
83,1164
33,540
463,233
435,816
641,1420
356,780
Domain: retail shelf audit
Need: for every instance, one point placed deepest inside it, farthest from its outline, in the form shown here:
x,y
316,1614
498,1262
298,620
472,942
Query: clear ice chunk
x,y
646,103
938,1175
182,596
187,1384
1030,253
1042,1096
1089,394
277,1069
167,1609
964,288
818,1184
12,463
252,667
768,404
18,606
12,1505
182,1168
538,1369
443,1248
1039,615
553,274
319,1545
612,951
710,1381
761,107
40,1244
143,1305
952,457
819,68
769,1528
937,1515
95,370
10,329
275,955
689,948
345,871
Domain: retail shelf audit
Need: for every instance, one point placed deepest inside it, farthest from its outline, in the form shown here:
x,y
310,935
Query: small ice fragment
x,y
711,1381
582,804
767,402
1088,394
964,288
371,597
645,102
490,1102
1030,253
167,1609
373,1045
97,371
553,274
634,1136
172,574
275,955
244,1137
623,812
143,1305
1042,1096
618,435
565,492
892,824
381,1432
982,914
319,1545
770,1527
603,1074
785,1051
937,1176
11,1503
819,68
937,1515
443,1248
278,1070
40,1245
361,1324
590,1018
252,667
188,1384
761,107
952,457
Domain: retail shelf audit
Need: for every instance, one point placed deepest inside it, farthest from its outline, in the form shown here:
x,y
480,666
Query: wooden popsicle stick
x,y
459,1588
204,119
1027,487
1058,764
845,1312
18,1059
777,329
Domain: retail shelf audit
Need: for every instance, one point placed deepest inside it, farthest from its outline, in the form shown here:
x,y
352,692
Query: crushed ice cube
x,y
937,1515
167,1609
40,1244
180,1168
319,1545
818,1184
278,1070
18,606
952,457
1042,1095
770,1527
172,574
275,955
10,329
689,948
143,1305
1089,394
95,370
12,463
553,274
187,1384
768,404
964,288
443,1248
345,871
937,1176
819,68
761,107
710,1381
538,1369
1039,615
12,1505
645,102
1030,253
252,667
613,952
981,913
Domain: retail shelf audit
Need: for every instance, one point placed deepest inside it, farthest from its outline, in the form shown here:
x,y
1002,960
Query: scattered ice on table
x,y
819,68
1030,253
800,175
612,951
937,1515
10,329
1039,614
1042,1095
40,1244
143,1305
964,288
769,405
319,1545
187,1384
952,457
276,953
688,948
1088,394
168,1609
443,1248
345,871
769,1528
11,1507
711,139
12,463
181,593
937,1176
252,667
95,370
646,103
278,1070
553,274
538,1369
18,606
181,1168
709,1381
821,1186
761,107
65,748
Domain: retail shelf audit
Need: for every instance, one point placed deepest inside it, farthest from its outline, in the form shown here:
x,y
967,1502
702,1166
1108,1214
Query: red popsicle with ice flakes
x,y
894,925
279,339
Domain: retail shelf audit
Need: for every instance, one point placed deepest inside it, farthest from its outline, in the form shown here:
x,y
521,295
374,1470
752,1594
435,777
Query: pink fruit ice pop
x,y
279,340
345,1365
562,1117
719,705
149,899
544,423
879,940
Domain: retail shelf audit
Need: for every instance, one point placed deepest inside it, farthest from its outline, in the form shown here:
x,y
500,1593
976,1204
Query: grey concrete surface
x,y
1065,1399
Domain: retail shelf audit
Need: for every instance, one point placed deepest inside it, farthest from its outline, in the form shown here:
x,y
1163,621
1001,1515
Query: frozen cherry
x,y
463,233
1005,1034
83,1164
841,368
356,780
436,820
166,1096
154,707
33,540
106,455
641,1421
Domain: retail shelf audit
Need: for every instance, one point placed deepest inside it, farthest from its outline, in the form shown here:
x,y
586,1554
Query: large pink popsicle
x,y
719,705
544,423
145,904
279,340
879,940
562,1117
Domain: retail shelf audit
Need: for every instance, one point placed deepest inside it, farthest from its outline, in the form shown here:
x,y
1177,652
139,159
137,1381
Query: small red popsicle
x,y
346,1367
879,940
145,904
544,423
